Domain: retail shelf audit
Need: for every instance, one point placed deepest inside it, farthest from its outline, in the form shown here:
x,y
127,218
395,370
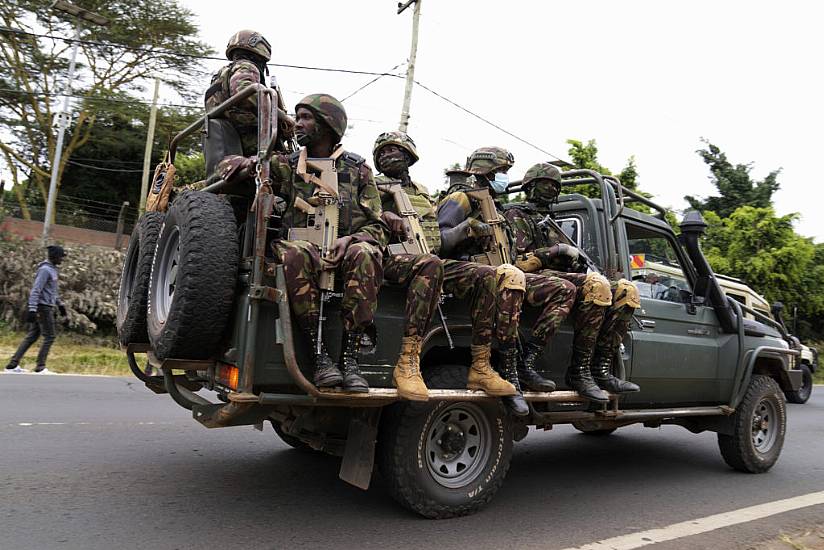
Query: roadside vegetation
x,y
72,353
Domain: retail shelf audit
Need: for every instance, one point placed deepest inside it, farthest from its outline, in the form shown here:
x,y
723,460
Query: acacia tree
x,y
145,38
735,185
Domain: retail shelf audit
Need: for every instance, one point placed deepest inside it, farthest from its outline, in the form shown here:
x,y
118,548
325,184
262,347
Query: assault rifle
x,y
322,222
499,251
413,240
583,258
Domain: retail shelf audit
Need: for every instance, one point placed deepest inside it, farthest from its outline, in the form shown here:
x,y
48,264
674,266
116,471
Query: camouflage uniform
x,y
600,316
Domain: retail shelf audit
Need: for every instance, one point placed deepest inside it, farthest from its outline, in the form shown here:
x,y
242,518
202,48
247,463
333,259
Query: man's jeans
x,y
44,326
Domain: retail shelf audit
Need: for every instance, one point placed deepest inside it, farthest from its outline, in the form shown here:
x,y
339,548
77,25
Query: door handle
x,y
698,332
647,324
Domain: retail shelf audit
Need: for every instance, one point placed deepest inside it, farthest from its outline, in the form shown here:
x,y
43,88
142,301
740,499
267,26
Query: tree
x,y
761,248
144,38
585,155
734,183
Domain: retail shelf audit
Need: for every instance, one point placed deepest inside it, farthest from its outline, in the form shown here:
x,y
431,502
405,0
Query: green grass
x,y
71,353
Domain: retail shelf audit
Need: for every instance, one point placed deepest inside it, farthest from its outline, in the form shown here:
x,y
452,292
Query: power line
x,y
479,117
92,167
370,82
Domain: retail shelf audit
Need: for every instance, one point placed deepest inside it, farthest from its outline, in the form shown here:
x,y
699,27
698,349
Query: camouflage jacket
x,y
456,207
360,208
228,81
523,220
424,208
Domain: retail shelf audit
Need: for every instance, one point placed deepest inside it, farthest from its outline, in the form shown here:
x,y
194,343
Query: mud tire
x,y
134,281
805,391
193,278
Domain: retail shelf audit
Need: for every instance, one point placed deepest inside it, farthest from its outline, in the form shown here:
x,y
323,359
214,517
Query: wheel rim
x,y
458,445
764,426
167,268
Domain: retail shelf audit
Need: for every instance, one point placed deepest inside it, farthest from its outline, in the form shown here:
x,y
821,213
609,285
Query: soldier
x,y
394,153
248,52
602,310
487,168
358,251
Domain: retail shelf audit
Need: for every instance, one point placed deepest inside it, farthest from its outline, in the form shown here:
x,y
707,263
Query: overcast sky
x,y
642,78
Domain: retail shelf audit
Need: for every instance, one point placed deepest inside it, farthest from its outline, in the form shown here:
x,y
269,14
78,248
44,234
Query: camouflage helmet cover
x,y
250,41
485,159
400,139
535,179
328,109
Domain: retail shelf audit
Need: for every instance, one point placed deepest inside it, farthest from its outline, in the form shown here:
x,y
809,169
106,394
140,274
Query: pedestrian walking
x,y
43,300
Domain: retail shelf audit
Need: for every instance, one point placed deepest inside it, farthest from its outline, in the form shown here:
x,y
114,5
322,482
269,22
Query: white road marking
x,y
705,524
28,424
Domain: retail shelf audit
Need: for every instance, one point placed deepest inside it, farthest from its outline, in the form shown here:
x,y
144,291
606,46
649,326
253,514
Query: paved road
x,y
93,462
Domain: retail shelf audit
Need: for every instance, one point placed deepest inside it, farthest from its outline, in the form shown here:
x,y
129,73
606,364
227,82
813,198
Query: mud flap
x,y
359,453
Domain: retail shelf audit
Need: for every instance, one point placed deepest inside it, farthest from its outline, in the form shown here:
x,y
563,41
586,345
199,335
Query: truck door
x,y
675,344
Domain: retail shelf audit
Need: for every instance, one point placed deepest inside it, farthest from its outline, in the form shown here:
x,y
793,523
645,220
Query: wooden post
x,y
147,155
410,66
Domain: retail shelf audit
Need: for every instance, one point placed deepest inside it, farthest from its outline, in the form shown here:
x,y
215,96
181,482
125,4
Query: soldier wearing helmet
x,y
248,52
602,310
394,153
320,124
460,216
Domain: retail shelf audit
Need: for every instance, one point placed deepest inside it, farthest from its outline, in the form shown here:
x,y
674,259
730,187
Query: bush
x,y
89,280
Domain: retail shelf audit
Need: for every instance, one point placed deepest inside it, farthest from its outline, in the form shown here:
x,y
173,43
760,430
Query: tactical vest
x,y
426,215
540,238
218,92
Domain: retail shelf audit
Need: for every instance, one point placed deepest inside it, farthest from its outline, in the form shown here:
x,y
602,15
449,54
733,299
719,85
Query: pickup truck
x,y
206,304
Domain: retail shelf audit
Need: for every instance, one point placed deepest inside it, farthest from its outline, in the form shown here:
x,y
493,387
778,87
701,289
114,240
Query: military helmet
x,y
400,139
484,160
328,109
539,192
250,41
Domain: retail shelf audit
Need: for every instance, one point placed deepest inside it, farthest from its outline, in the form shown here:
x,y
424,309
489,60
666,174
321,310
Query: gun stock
x,y
498,252
414,241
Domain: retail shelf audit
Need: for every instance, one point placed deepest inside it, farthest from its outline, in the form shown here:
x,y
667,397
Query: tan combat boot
x,y
482,377
407,374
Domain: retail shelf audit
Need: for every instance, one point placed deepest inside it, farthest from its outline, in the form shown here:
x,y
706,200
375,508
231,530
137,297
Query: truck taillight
x,y
228,375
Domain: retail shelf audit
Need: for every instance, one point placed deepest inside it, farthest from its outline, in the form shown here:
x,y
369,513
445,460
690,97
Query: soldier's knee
x,y
431,266
626,294
597,290
510,277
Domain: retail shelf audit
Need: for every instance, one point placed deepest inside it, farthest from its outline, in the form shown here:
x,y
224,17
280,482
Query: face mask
x,y
542,194
393,163
500,183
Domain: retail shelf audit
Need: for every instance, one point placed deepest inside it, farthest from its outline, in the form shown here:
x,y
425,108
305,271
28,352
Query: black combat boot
x,y
580,379
508,366
606,381
350,349
327,374
530,379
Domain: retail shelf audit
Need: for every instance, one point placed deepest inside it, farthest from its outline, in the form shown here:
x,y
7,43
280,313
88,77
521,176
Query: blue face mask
x,y
500,183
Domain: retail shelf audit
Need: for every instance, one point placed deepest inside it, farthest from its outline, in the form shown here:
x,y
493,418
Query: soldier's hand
x,y
394,222
286,125
336,254
62,309
569,251
31,316
478,229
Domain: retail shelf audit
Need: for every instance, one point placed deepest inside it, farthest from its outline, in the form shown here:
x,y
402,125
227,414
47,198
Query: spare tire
x,y
193,277
134,281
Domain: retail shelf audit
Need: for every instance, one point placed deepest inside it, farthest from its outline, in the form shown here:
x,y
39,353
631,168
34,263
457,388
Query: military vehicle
x,y
214,317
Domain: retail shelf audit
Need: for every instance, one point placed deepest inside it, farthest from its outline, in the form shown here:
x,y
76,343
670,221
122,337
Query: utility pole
x,y
64,115
410,66
147,155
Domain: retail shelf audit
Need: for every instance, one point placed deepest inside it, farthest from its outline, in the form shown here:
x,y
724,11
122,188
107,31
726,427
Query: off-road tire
x,y
134,281
805,391
600,432
193,278
404,462
291,440
763,400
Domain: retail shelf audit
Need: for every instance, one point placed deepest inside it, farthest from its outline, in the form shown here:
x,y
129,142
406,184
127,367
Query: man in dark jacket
x,y
43,299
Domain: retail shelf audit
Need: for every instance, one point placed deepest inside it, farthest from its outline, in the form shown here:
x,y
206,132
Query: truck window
x,y
572,228
647,250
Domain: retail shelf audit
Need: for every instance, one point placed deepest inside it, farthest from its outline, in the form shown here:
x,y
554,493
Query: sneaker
x,y
17,370
44,370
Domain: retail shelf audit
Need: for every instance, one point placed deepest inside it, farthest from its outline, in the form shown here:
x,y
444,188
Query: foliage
x,y
72,353
734,183
761,248
89,280
190,168
143,39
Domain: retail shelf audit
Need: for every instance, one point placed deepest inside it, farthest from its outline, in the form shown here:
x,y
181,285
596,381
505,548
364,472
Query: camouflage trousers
x,y
361,273
423,276
601,328
554,297
489,310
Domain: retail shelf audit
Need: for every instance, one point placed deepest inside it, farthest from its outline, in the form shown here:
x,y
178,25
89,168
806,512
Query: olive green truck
x,y
204,301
